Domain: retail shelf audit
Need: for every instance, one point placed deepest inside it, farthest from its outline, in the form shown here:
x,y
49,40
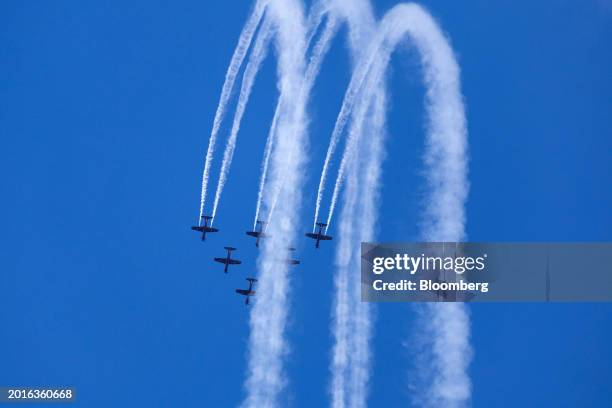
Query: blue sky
x,y
105,111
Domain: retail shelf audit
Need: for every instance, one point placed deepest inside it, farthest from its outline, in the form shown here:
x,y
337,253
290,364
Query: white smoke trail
x,y
258,54
348,379
445,160
444,218
318,12
244,42
345,111
318,54
373,82
359,16
264,165
370,174
352,95
353,318
350,319
267,344
446,143
338,128
448,325
342,353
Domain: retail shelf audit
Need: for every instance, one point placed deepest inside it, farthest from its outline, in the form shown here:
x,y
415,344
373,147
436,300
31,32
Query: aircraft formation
x,y
259,233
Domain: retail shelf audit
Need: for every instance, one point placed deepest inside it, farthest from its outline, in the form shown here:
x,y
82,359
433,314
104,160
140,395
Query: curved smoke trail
x,y
446,163
318,53
370,174
258,54
341,121
355,374
446,151
351,97
285,148
314,20
352,326
351,352
350,318
267,345
359,17
347,371
371,80
264,165
244,42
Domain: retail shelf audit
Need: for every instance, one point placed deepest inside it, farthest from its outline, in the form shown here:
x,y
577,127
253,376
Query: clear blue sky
x,y
105,111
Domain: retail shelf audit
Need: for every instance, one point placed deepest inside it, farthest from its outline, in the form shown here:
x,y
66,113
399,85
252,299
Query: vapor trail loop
x,y
244,42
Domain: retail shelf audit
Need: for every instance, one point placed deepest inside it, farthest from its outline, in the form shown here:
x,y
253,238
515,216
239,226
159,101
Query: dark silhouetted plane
x,y
289,260
258,233
205,228
247,292
319,236
228,259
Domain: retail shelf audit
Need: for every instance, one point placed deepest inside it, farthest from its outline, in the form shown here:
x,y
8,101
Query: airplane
x,y
205,228
319,236
291,261
258,233
228,259
247,292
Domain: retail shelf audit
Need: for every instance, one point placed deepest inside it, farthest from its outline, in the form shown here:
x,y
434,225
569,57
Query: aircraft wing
x,y
200,229
222,260
234,262
242,292
311,235
253,233
325,238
